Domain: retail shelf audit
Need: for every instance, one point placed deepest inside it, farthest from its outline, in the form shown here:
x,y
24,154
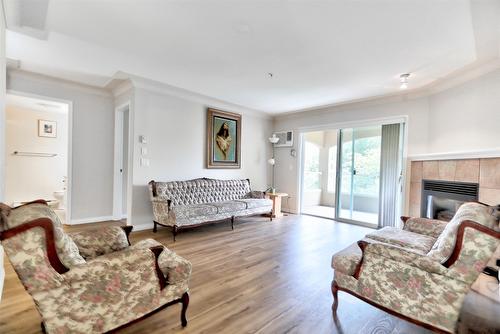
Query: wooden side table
x,y
276,198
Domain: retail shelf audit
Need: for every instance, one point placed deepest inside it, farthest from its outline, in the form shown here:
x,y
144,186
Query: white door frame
x,y
69,181
353,124
118,161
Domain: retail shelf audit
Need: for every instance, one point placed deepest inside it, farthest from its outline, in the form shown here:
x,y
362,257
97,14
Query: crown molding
x,y
165,89
457,78
41,78
457,155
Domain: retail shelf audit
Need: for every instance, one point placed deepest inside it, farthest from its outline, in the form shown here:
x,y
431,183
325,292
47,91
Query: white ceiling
x,y
320,52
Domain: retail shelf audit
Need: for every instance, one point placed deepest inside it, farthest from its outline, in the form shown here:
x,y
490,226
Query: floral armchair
x,y
92,281
422,272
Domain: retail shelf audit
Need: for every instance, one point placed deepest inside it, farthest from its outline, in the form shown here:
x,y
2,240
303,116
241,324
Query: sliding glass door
x,y
358,185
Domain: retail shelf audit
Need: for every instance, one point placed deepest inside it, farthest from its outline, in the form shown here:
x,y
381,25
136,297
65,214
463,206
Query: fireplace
x,y
441,199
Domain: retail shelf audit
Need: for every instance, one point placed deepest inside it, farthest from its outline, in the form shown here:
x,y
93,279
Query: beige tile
x,y
447,169
415,193
430,170
416,171
414,210
489,173
467,171
489,196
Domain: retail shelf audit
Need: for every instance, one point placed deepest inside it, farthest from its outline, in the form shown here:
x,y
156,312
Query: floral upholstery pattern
x,y
176,268
103,241
431,227
347,259
396,236
66,248
476,212
415,283
184,203
97,295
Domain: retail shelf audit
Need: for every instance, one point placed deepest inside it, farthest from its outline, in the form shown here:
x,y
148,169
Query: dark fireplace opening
x,y
441,199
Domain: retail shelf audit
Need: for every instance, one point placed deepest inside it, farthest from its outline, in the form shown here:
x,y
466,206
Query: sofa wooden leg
x,y
185,303
154,226
271,216
335,289
174,232
232,223
43,327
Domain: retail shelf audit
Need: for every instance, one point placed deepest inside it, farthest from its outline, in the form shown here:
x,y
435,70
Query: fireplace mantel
x,y
458,155
483,171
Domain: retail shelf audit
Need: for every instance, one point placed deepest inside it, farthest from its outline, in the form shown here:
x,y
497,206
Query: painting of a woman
x,y
223,139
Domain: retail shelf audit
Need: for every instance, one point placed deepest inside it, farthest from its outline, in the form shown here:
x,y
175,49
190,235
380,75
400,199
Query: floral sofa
x,y
91,281
183,204
422,272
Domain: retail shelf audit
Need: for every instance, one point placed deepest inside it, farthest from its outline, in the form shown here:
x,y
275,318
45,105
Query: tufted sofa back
x,y
199,191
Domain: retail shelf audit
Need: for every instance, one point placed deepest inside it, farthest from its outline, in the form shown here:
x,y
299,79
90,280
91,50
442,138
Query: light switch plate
x,y
144,150
143,140
144,162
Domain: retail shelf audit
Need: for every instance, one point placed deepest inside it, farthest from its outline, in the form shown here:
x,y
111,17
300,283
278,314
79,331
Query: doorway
x,y
359,174
342,177
319,173
121,164
38,151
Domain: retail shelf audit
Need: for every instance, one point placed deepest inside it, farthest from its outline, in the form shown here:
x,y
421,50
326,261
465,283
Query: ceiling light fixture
x,y
270,75
403,78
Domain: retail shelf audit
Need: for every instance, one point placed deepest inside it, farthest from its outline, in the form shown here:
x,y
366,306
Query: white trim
x,y
55,80
355,124
69,181
118,160
91,220
162,88
142,227
457,155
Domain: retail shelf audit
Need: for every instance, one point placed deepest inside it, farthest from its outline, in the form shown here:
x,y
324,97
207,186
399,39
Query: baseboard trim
x,y
142,227
91,220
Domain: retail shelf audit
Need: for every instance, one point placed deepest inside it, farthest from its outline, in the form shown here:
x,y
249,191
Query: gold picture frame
x,y
223,139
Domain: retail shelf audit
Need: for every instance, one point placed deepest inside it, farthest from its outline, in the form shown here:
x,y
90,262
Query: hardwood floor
x,y
263,277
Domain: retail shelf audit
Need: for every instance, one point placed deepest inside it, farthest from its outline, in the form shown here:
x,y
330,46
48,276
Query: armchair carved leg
x,y
154,227
335,289
174,232
232,223
185,303
271,216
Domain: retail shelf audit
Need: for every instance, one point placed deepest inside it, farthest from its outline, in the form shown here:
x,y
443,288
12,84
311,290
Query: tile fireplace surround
x,y
486,172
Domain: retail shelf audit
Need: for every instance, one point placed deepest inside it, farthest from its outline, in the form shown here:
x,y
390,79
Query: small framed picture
x,y
47,128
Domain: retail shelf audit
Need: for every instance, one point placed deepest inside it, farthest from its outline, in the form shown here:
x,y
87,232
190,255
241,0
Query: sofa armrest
x,y
97,242
255,194
175,268
429,227
398,254
105,276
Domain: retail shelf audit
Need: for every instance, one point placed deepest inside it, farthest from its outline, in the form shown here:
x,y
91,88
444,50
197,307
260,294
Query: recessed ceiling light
x,y
270,75
403,78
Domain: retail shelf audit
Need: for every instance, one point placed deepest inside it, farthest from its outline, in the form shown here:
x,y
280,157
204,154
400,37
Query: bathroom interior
x,y
37,148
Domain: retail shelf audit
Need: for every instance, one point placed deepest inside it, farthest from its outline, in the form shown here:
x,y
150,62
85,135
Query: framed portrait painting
x,y
223,139
47,128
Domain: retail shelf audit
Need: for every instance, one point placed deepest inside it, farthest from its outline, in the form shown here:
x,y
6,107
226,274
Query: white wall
x,y
92,142
176,133
28,178
2,129
466,117
462,118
